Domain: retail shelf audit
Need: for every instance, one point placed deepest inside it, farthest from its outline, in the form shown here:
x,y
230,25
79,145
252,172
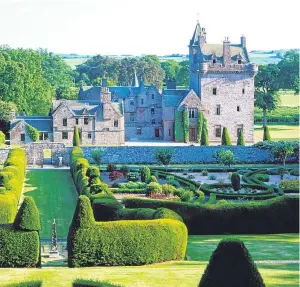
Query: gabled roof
x,y
42,124
172,98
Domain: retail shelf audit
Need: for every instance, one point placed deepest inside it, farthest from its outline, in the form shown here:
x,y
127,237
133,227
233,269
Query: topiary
x,y
267,136
76,137
236,181
3,178
28,217
153,179
99,188
167,214
231,265
168,189
240,140
154,187
2,138
225,137
204,134
125,170
145,174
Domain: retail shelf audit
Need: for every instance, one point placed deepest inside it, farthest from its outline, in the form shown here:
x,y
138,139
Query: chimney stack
x,y
226,52
243,41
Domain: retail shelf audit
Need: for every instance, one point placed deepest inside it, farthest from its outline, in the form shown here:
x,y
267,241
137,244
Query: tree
x,y
96,155
113,175
145,174
183,75
266,88
76,138
171,69
267,136
225,137
281,150
200,120
204,133
164,156
225,157
186,125
6,110
240,140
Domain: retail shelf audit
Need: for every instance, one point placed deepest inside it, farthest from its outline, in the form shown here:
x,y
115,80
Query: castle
x,y
221,87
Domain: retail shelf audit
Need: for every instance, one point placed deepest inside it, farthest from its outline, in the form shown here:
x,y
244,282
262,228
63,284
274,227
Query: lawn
x,y
289,99
184,273
55,196
278,132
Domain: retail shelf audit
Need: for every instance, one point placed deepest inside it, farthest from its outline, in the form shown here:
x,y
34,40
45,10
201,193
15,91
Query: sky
x,y
136,27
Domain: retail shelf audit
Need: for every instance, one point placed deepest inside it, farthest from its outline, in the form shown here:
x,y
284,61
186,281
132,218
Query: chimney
x,y
243,41
104,83
171,84
226,52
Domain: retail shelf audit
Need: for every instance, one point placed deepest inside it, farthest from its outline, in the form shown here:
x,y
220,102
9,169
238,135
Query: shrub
x,y
212,199
295,172
262,177
99,188
93,172
145,174
76,138
201,197
231,265
168,189
3,178
125,170
240,140
170,177
33,133
235,181
28,217
184,194
222,202
113,175
92,283
204,133
173,182
225,137
212,177
154,187
26,284
190,176
132,176
111,167
225,157
96,155
165,213
153,179
289,184
2,138
164,156
8,210
266,136
132,185
204,172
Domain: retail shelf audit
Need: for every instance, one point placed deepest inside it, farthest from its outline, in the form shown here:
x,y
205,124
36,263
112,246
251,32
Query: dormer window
x,y
86,121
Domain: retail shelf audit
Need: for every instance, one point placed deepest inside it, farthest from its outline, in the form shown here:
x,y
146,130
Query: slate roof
x,y
42,124
172,98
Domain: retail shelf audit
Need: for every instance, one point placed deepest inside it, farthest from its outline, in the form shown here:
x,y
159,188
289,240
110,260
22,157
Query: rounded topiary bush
x,y
231,265
93,171
153,179
154,187
236,181
145,174
166,214
28,217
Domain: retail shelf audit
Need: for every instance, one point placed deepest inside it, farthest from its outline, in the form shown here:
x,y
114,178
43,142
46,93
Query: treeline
x,y
29,80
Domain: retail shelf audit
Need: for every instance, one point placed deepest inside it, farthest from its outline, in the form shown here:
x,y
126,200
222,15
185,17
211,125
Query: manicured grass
x,y
278,132
55,196
289,99
184,273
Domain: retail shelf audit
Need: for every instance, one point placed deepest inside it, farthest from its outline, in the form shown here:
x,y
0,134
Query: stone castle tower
x,y
223,77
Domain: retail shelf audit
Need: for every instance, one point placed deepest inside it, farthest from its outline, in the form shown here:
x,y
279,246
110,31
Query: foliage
x,y
111,167
231,265
26,284
295,171
183,75
92,283
164,156
282,114
125,170
96,155
165,213
19,248
153,179
240,140
289,184
179,126
154,187
132,185
278,215
267,136
186,125
168,189
201,197
2,138
99,188
132,176
125,242
6,109
266,89
282,150
33,133
222,202
225,137
212,199
225,157
200,120
105,207
113,175
76,138
212,177
262,177
184,194
28,217
145,174
204,172
204,134
235,181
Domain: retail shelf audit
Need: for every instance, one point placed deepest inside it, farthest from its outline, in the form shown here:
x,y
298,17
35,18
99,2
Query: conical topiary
x,y
145,174
28,217
235,181
204,134
76,138
231,265
240,140
267,136
199,125
225,137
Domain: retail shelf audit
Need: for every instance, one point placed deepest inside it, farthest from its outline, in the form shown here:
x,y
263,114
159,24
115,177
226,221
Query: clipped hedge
x,y
278,215
93,283
123,242
289,184
105,207
26,284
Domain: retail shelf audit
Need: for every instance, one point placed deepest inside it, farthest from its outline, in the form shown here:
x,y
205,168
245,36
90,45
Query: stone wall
x,y
3,154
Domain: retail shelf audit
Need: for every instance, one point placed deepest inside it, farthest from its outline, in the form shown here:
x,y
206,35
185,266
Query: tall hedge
x,y
226,137
240,140
93,283
35,283
33,133
200,120
278,215
2,138
186,125
231,265
123,242
266,136
76,137
204,133
145,174
179,126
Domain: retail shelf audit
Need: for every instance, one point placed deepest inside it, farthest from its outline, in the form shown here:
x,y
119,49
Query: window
x,y
169,132
142,101
89,136
131,103
192,113
116,123
132,117
46,136
153,121
239,128
152,111
218,111
41,136
243,91
22,137
86,121
218,131
138,131
214,61
65,122
238,109
239,61
214,91
152,96
76,121
64,135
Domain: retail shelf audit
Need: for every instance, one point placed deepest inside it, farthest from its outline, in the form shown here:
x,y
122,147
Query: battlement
x,y
221,68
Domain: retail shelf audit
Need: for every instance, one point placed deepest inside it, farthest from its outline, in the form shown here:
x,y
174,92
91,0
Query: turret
x,y
243,41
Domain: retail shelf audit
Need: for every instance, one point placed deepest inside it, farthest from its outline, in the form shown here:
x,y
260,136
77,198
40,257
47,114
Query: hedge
x,y
105,207
26,284
289,186
125,242
277,215
92,283
129,190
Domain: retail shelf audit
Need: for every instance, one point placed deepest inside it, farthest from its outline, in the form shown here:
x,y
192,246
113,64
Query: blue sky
x,y
145,27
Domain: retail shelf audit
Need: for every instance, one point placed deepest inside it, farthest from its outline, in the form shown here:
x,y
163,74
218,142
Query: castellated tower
x,y
223,77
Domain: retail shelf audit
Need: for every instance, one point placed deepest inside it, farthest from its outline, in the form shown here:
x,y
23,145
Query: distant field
x,y
289,99
278,132
73,62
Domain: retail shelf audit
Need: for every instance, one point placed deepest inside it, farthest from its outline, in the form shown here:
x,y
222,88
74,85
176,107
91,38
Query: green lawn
x,y
55,196
278,132
181,274
289,99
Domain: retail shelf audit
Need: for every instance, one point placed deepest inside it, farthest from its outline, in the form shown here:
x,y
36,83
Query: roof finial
x,y
198,15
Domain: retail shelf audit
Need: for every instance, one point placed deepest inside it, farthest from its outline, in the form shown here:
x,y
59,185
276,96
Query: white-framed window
x,y
218,131
218,110
192,113
116,123
64,135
